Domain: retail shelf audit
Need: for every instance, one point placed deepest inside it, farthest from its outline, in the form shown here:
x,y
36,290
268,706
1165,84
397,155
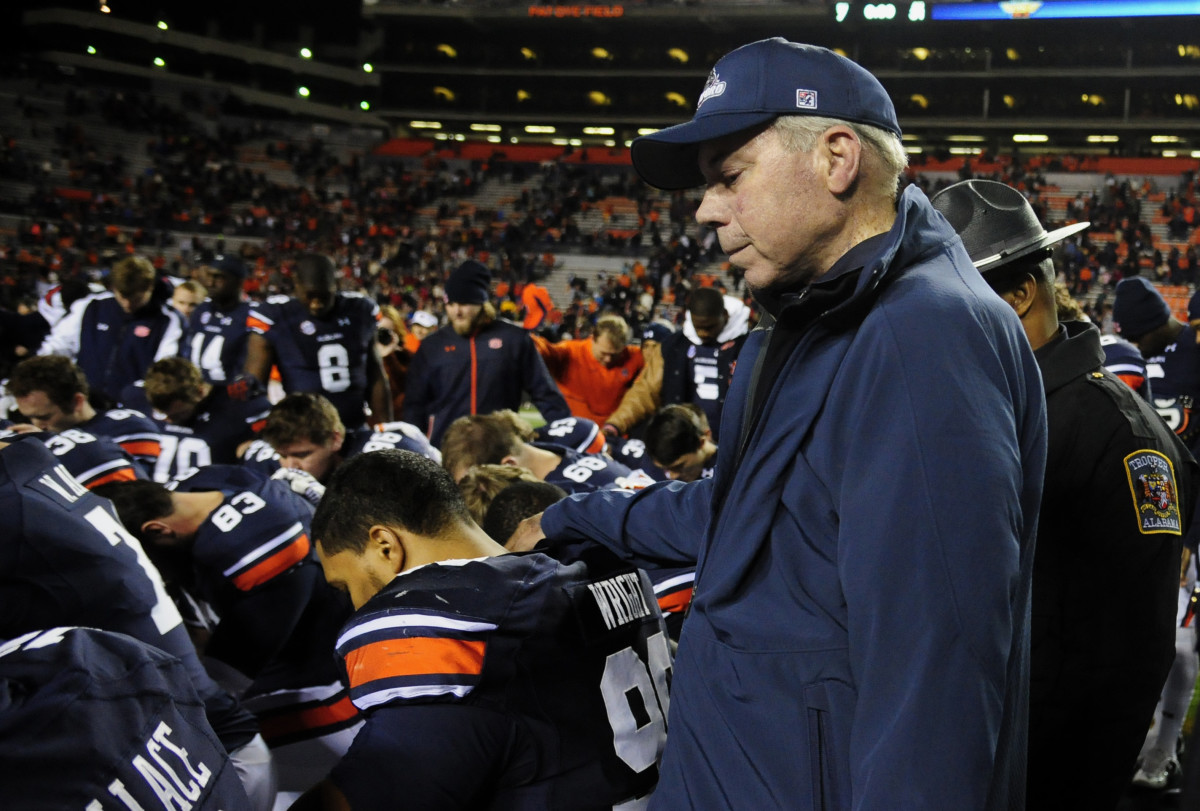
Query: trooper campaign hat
x,y
996,223
752,86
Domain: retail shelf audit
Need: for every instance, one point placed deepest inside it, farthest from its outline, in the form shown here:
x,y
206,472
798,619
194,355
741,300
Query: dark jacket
x,y
864,552
452,376
1120,490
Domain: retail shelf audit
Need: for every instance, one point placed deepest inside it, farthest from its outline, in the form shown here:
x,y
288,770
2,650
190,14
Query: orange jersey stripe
x,y
142,447
676,601
125,474
255,323
414,656
290,723
277,563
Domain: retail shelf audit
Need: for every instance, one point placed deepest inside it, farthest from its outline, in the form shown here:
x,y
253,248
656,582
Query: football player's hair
x,y
483,439
315,270
483,482
193,286
132,276
137,502
171,379
391,488
675,430
515,503
302,416
55,375
615,327
706,302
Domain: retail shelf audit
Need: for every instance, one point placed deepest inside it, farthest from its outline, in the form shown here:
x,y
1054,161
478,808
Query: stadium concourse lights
x,y
599,131
425,125
485,128
539,129
1103,139
1030,138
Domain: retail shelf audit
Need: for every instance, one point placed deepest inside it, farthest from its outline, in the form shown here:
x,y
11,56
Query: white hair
x,y
799,133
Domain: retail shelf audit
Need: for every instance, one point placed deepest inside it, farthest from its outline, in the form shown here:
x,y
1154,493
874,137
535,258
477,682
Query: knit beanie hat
x,y
1139,308
469,283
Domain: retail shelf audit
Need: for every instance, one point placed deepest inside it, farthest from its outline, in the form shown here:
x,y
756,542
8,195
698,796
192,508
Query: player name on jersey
x,y
173,777
620,599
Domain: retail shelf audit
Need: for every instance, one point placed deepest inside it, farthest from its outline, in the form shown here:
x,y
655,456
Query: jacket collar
x,y
842,296
1074,352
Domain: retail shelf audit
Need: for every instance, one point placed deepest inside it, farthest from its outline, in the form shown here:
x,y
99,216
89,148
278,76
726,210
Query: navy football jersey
x,y
578,433
633,454
256,569
585,472
389,436
216,341
136,433
98,721
93,460
327,355
261,457
212,436
1175,379
65,559
508,682
1125,361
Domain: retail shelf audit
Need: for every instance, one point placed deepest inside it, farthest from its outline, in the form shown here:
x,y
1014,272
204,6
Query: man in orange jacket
x,y
537,303
594,373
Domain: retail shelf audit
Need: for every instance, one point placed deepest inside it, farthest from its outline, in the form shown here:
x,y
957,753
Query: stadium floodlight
x,y
159,62
104,9
539,129
91,49
305,53
303,92
1030,138
162,26
368,67
364,105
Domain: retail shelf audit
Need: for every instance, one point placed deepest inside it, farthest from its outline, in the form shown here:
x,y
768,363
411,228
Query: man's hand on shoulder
x,y
526,535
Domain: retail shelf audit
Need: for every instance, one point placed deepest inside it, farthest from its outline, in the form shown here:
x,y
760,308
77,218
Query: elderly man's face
x,y
772,213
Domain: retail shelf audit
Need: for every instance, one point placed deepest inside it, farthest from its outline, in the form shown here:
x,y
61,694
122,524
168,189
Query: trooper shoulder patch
x,y
1155,497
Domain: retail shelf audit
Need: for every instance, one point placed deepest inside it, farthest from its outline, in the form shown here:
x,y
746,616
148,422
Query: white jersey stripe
x,y
414,621
268,547
415,691
666,585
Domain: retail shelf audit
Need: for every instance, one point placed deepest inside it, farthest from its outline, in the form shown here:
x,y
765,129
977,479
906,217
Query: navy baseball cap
x,y
225,263
752,86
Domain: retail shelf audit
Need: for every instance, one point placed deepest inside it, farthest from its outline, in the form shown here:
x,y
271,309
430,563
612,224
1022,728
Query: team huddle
x,y
344,628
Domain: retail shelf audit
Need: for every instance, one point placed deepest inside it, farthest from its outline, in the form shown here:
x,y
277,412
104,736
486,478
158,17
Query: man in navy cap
x,y
858,636
1119,495
477,363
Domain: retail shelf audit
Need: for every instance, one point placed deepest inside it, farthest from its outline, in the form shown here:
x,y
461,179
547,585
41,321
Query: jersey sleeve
x,y
249,551
262,317
394,656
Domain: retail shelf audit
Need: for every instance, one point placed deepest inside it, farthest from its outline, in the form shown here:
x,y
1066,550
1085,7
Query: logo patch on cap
x,y
806,99
1155,497
712,88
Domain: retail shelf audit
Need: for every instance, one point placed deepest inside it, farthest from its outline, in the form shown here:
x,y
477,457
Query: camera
x,y
384,336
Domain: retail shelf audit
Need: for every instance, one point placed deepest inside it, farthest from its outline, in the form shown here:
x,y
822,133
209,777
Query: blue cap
x,y
225,263
752,86
1138,308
